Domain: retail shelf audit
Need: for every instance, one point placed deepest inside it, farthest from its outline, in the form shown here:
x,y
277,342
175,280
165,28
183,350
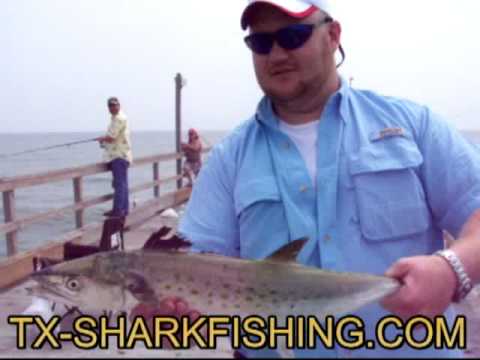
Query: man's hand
x,y
429,284
173,306
105,139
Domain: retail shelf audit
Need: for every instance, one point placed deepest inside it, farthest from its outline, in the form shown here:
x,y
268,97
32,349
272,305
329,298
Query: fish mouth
x,y
47,289
50,292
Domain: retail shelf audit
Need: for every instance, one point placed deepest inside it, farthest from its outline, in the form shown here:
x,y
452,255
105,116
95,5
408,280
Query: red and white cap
x,y
296,8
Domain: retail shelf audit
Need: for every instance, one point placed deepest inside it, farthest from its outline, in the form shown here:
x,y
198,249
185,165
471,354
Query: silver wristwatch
x,y
465,284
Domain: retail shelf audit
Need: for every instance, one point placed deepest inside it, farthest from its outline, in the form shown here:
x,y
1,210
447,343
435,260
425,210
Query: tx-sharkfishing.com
x,y
252,332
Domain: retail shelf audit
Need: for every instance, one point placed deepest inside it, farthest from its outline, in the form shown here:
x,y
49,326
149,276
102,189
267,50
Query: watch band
x,y
465,284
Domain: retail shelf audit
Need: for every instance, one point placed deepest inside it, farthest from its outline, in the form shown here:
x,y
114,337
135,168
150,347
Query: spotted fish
x,y
212,284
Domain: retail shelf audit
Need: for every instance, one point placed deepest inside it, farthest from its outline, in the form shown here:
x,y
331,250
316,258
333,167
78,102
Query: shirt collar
x,y
119,116
338,101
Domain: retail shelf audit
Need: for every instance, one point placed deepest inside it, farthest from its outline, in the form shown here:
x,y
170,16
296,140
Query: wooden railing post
x,y
156,177
78,195
9,215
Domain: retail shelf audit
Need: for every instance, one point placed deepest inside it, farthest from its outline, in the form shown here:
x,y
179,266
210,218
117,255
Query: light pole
x,y
180,82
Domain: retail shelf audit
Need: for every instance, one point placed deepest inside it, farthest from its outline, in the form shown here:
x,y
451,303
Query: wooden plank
x,y
7,184
68,174
151,208
162,158
152,184
78,196
50,177
12,273
9,215
17,267
25,222
156,158
22,223
169,179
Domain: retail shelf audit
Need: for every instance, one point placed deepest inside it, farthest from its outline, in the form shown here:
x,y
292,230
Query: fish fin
x,y
156,236
172,244
289,252
162,232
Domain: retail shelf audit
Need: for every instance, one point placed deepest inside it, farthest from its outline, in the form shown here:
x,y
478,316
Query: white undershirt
x,y
305,138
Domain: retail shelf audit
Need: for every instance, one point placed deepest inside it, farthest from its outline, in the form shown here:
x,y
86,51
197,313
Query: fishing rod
x,y
48,148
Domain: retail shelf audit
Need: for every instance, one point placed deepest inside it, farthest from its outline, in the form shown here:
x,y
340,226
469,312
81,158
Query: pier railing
x,y
13,224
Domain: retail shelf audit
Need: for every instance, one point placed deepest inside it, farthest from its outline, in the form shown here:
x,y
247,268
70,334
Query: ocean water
x,y
38,199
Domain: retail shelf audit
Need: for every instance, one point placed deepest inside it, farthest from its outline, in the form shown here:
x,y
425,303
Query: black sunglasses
x,y
290,37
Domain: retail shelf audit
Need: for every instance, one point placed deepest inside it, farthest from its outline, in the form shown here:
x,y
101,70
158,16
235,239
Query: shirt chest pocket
x,y
261,217
390,198
258,193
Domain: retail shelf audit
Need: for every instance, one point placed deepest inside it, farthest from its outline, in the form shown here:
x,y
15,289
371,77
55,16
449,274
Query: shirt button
x,y
286,145
327,238
349,186
304,189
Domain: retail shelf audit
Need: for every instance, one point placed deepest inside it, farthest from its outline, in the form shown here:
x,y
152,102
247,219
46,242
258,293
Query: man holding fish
x,y
368,182
371,181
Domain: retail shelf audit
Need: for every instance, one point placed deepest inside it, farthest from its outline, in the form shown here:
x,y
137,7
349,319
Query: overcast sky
x,y
61,59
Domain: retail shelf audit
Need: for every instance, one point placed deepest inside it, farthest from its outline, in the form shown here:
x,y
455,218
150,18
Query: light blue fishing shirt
x,y
391,176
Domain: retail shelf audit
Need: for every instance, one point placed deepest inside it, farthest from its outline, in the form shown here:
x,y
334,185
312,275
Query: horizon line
x,y
102,131
147,130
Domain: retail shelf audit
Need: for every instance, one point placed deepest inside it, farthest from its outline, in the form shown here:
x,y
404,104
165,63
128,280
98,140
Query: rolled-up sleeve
x,y
450,172
209,221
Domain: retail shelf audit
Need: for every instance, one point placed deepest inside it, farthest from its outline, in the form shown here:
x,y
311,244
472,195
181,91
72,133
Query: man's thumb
x,y
398,270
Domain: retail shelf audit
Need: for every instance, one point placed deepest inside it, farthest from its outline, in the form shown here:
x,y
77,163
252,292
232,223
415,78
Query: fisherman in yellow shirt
x,y
118,155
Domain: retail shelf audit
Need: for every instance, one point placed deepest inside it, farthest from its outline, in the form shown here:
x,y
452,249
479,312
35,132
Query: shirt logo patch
x,y
387,133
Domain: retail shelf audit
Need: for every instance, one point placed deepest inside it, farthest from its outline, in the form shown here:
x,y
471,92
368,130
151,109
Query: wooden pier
x,y
142,221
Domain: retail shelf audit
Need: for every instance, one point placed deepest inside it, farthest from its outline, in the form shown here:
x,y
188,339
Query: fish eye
x,y
73,284
136,284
